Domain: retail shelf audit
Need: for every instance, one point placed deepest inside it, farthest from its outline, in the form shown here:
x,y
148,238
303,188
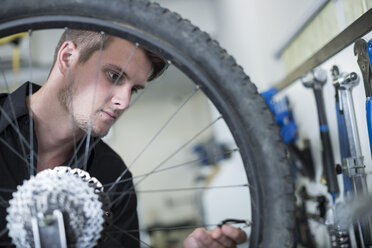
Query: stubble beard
x,y
80,122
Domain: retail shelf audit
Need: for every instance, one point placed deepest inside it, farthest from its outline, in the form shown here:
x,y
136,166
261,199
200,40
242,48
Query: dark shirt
x,y
103,164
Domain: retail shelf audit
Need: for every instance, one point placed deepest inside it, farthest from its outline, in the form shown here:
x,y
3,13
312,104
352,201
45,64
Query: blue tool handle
x,y
344,146
369,120
369,100
268,97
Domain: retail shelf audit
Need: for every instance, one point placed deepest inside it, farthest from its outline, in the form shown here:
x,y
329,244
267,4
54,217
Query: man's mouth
x,y
109,115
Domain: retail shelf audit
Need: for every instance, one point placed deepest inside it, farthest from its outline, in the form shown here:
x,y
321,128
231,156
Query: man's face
x,y
95,100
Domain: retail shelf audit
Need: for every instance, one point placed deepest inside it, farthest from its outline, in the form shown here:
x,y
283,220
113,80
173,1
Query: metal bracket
x,y
49,230
353,166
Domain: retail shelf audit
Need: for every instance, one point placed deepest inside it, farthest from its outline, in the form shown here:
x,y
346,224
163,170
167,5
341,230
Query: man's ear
x,y
66,56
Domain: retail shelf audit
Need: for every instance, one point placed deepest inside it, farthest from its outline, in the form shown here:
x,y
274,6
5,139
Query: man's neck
x,y
53,127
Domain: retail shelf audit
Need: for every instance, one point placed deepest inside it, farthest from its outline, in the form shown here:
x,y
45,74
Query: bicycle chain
x,y
78,196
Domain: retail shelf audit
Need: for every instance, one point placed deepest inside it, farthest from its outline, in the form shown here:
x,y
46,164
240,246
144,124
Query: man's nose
x,y
121,99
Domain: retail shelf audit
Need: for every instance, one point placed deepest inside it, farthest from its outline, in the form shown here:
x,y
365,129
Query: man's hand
x,y
219,237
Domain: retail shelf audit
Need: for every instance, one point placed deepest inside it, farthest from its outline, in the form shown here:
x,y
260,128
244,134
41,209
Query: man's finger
x,y
239,236
204,238
218,235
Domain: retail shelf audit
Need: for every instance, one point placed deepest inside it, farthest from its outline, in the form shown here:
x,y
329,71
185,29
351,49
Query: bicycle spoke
x,y
136,46
114,239
169,157
15,126
175,228
130,235
75,148
157,171
94,98
184,189
138,96
164,126
74,157
182,147
32,169
3,113
156,135
168,168
21,137
6,244
3,232
3,202
69,79
13,150
148,86
123,208
14,114
90,147
8,190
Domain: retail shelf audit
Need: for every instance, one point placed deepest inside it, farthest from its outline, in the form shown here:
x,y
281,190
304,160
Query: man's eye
x,y
134,90
113,76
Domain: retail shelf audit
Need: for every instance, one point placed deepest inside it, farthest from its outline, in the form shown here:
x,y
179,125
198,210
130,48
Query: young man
x,y
87,90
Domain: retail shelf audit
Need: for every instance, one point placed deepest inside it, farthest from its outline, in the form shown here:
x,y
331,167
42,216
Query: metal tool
x,y
342,132
316,79
49,230
363,51
353,166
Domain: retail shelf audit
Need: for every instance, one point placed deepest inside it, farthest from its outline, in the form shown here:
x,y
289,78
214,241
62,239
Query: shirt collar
x,y
15,104
15,107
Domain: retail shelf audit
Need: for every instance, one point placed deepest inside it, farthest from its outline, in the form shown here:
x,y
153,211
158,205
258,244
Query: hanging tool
x,y
341,236
316,79
300,159
342,132
362,51
353,166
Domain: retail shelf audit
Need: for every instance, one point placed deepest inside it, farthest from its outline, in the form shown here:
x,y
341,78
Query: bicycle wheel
x,y
208,66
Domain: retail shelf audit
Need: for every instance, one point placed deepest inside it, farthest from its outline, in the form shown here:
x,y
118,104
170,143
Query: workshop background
x,y
269,39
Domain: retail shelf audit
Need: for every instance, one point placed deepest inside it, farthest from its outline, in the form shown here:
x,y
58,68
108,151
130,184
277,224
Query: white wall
x,y
253,32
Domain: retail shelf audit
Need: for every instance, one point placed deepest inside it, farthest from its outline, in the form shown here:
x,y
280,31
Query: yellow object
x,y
14,39
15,59
11,38
323,181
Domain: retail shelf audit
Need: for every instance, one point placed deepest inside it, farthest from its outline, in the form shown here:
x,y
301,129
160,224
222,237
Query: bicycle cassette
x,y
74,195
